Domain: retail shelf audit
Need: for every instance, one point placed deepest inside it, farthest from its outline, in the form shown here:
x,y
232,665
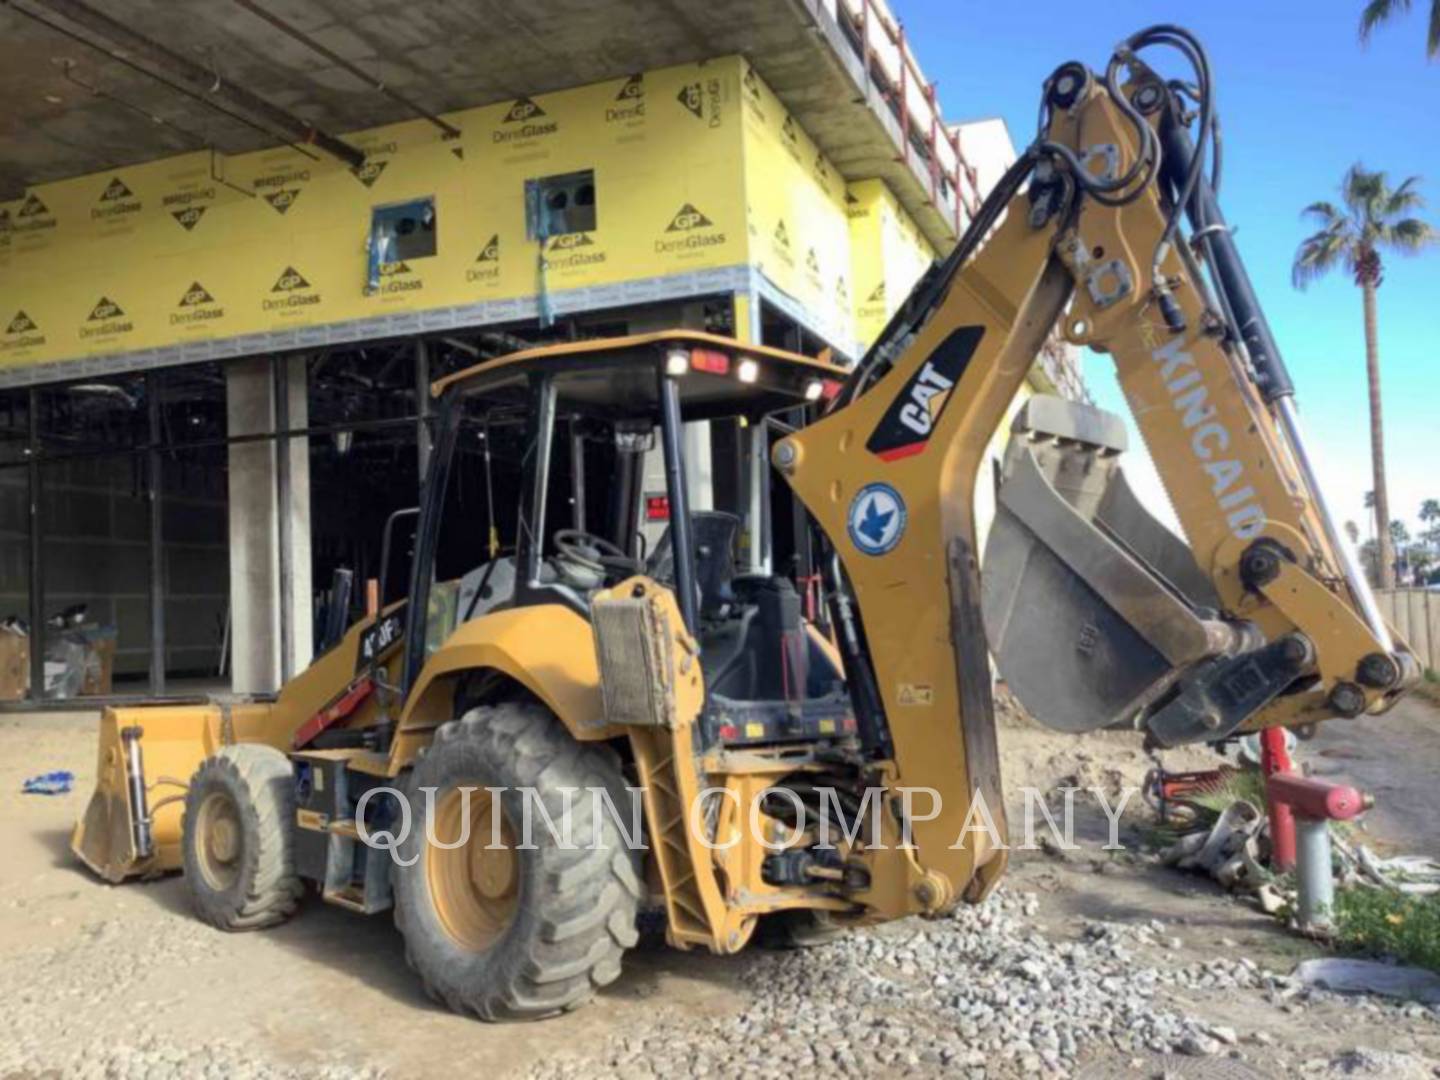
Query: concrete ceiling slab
x,y
443,54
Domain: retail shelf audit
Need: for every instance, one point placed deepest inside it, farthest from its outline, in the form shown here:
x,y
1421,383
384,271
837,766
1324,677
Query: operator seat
x,y
713,532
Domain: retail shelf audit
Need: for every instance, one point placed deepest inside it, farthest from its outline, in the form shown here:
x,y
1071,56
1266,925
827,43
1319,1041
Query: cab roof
x,y
781,379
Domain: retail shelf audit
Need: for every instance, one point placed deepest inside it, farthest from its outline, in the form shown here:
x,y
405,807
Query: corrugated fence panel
x,y
1415,616
1432,618
1420,625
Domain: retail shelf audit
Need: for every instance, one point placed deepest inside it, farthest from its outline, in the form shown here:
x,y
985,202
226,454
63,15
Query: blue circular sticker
x,y
877,519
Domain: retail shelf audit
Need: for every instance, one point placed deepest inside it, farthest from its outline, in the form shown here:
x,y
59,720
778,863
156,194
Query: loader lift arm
x,y
1096,616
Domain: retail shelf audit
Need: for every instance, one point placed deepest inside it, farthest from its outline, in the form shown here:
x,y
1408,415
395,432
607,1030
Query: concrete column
x,y
255,589
756,445
302,592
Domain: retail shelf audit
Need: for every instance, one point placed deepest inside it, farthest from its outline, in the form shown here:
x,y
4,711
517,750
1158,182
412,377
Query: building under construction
x,y
238,241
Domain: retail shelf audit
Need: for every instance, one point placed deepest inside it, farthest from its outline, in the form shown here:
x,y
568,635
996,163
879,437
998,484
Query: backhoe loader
x,y
582,659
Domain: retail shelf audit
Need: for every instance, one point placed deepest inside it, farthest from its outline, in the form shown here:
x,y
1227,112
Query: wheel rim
x,y
219,840
475,887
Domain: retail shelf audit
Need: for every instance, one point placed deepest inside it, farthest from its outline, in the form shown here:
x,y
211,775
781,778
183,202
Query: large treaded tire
x,y
258,782
576,907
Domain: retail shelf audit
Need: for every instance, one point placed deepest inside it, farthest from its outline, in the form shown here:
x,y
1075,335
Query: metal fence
x,y
1415,615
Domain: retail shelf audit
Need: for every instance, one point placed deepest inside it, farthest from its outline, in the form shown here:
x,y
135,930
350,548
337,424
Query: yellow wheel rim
x,y
475,887
219,841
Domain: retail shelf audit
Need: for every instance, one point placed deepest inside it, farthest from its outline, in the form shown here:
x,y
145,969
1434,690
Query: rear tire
x,y
518,934
237,841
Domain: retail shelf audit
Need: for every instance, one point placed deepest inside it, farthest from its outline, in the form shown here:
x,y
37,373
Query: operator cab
x,y
562,471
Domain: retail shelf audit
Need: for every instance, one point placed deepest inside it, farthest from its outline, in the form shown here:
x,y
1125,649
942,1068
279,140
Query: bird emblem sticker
x,y
877,519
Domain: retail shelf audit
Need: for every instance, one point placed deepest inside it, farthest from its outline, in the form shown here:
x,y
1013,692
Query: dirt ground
x,y
84,965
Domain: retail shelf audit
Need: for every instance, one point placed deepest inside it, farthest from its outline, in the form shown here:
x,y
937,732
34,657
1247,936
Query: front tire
x,y
237,842
515,933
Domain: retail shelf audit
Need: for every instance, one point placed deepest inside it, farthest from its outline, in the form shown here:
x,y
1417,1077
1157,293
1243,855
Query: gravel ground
x,y
1084,964
981,993
52,996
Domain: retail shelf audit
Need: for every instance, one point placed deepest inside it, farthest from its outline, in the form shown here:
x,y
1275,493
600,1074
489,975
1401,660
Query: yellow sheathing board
x,y
160,255
796,204
889,254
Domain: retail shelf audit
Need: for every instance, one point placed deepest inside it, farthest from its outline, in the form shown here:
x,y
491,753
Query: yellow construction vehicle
x,y
575,661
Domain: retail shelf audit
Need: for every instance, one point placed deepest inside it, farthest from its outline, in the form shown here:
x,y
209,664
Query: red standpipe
x,y
1275,760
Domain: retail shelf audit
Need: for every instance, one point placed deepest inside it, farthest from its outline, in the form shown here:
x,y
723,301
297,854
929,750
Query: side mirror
x,y
387,549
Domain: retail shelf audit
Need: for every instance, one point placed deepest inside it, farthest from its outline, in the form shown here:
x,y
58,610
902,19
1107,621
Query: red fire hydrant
x,y
1312,804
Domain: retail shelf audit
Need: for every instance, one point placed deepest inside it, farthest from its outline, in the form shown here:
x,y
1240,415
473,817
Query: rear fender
x,y
548,649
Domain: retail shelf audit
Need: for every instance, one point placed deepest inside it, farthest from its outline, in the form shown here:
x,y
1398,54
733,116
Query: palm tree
x,y
1373,219
1430,516
1376,12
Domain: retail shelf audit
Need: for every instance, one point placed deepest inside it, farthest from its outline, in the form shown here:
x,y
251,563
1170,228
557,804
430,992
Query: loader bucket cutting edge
x,y
173,740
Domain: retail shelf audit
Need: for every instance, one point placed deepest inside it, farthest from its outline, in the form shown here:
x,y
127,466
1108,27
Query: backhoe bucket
x,y
1092,608
147,755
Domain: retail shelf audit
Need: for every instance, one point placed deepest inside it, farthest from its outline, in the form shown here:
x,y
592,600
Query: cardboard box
x,y
14,665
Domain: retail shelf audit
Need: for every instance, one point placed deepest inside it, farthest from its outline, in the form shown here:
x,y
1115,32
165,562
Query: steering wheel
x,y
580,547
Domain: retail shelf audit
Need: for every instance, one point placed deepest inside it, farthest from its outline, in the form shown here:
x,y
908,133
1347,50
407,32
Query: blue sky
x,y
1300,100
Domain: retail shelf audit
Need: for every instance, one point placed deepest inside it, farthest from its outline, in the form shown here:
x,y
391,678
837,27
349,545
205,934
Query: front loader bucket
x,y
1092,608
147,755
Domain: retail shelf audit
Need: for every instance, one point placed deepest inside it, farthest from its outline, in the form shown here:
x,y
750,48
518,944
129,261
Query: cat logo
x,y
788,128
281,201
687,218
368,173
289,281
195,296
633,90
391,269
115,191
32,207
822,169
189,217
105,309
842,291
782,238
908,422
812,262
569,241
878,295
693,98
523,109
491,251
21,324
459,152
